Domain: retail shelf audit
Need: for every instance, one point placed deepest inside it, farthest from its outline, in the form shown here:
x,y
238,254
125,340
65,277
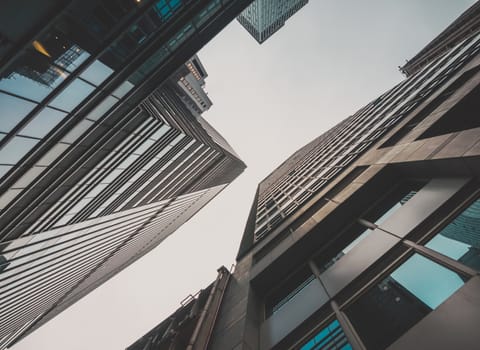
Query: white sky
x,y
330,59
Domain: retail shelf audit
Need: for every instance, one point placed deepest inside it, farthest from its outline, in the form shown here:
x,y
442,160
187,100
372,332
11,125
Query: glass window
x,y
77,131
96,73
288,290
460,240
102,108
382,212
13,110
32,76
122,90
28,177
4,169
398,302
72,95
42,123
52,154
15,149
396,206
330,337
160,132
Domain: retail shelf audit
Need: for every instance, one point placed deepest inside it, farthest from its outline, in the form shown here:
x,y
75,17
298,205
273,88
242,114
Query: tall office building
x,y
366,238
103,151
263,18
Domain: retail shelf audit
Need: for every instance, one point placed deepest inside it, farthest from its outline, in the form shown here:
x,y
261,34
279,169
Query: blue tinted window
x,y
31,83
429,282
72,95
15,149
12,111
96,73
42,123
460,240
330,337
4,169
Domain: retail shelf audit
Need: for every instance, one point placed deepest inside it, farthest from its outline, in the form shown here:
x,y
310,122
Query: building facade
x,y
103,153
263,18
367,237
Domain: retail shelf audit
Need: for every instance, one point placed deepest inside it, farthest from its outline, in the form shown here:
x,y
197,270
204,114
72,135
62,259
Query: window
x,y
96,73
330,337
13,111
42,123
376,216
72,95
15,149
458,118
398,302
460,239
288,290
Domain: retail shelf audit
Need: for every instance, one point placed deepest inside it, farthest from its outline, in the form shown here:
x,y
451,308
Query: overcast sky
x,y
330,59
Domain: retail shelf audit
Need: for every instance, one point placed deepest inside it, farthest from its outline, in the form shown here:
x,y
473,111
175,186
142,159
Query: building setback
x,y
367,237
103,152
263,18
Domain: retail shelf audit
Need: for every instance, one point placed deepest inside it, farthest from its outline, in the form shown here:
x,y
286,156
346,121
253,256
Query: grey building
x,y
103,154
263,18
366,238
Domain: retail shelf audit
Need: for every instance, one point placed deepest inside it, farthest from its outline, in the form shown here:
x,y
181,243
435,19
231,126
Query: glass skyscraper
x,y
103,150
265,17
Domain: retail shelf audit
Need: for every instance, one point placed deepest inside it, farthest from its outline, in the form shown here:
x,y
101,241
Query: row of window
x,y
344,143
400,299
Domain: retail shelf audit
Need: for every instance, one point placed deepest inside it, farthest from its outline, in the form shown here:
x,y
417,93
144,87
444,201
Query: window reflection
x,y
15,149
72,95
96,73
460,240
387,212
13,110
398,302
42,123
330,337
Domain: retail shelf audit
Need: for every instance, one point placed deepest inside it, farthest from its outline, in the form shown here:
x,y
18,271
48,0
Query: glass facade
x,y
399,301
330,337
460,239
96,166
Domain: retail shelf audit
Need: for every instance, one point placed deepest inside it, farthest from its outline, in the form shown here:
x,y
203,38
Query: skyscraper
x,y
263,18
365,238
103,151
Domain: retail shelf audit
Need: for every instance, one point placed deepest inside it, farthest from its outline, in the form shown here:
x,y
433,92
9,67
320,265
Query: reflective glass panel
x,y
15,149
460,240
398,302
42,123
102,107
386,214
72,95
32,76
12,111
288,290
4,169
122,90
96,73
330,337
